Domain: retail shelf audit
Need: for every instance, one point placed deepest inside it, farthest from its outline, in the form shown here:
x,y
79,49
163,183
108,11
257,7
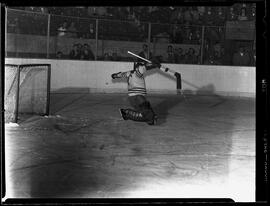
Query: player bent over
x,y
143,111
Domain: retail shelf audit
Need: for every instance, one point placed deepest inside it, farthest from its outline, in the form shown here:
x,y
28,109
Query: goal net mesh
x,y
26,90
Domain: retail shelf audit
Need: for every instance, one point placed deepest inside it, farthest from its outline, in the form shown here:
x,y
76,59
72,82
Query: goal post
x,y
27,90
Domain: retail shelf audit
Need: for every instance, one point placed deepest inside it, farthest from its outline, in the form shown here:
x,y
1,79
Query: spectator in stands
x,y
180,16
30,8
82,29
241,58
37,9
52,10
142,30
208,17
154,14
110,11
215,21
179,34
188,15
242,16
252,15
221,33
115,57
216,58
209,60
225,57
212,37
186,57
187,34
87,53
75,53
69,11
195,15
59,55
201,12
220,16
80,48
81,11
101,11
176,34
144,53
91,11
180,56
62,30
176,15
171,57
192,36
192,58
231,15
106,57
44,10
72,31
91,34
123,12
197,36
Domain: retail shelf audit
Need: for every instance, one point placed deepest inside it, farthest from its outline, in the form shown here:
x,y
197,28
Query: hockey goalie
x,y
142,110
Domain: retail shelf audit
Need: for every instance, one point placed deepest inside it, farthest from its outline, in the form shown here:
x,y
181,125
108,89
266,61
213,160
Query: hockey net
x,y
27,90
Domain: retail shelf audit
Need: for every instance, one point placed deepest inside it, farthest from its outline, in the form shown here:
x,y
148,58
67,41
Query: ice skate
x,y
123,114
154,121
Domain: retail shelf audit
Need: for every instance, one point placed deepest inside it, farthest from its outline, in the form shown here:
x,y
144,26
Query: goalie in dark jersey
x,y
142,111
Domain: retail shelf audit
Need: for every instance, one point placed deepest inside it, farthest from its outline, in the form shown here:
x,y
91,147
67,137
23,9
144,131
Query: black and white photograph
x,y
130,101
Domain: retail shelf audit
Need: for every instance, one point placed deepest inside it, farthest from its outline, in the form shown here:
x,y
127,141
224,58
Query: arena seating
x,y
181,25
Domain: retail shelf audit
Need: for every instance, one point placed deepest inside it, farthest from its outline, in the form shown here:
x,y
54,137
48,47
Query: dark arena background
x,y
64,135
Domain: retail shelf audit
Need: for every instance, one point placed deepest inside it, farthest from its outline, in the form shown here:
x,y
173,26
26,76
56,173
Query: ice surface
x,y
203,146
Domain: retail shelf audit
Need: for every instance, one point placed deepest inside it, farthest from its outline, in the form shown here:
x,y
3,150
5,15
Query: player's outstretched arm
x,y
150,66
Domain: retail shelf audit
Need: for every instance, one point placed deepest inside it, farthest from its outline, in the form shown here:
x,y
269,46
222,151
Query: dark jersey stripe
x,y
139,74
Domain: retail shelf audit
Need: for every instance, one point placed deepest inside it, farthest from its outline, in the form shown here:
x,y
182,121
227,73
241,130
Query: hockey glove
x,y
115,75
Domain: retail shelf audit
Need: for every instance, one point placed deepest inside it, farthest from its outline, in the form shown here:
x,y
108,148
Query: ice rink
x,y
202,147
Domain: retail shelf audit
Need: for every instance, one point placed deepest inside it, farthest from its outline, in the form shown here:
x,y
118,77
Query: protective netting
x,y
11,82
31,96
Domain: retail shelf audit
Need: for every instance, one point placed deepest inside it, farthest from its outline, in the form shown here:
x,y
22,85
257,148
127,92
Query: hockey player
x,y
142,111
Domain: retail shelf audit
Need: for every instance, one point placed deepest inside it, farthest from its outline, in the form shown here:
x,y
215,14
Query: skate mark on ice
x,y
69,103
43,164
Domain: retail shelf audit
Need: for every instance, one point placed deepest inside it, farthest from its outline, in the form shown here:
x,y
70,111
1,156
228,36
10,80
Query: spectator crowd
x,y
177,25
136,19
196,15
78,52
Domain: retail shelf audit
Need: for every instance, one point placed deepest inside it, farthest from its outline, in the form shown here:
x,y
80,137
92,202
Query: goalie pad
x,y
132,115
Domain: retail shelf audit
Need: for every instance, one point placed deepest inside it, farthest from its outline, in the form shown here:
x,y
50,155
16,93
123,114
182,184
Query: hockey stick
x,y
139,57
164,69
